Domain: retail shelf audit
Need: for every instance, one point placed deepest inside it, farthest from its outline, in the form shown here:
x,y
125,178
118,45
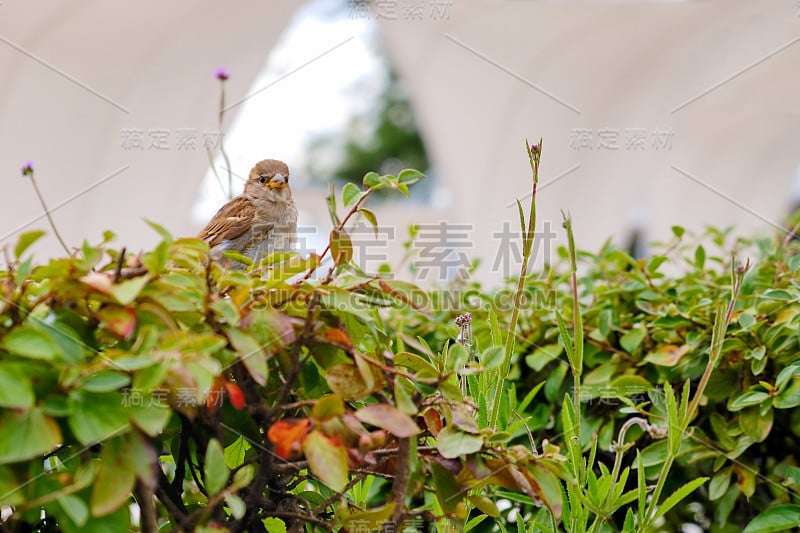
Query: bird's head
x,y
269,179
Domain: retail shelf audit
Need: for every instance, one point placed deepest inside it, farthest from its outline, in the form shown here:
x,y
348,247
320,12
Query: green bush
x,y
271,399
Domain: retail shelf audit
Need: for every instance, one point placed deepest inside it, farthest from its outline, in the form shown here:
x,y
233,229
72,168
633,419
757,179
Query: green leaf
x,y
105,381
369,520
633,339
327,460
75,508
126,291
404,395
719,483
10,487
753,397
27,341
756,424
447,490
786,374
119,520
677,495
27,434
678,231
484,505
350,194
327,407
341,247
156,261
370,217
96,416
373,180
274,525
238,257
548,488
667,355
115,478
235,452
780,518
236,505
244,476
790,396
152,415
16,389
389,418
700,257
26,240
746,320
453,443
564,335
214,467
457,357
543,355
409,176
250,354
161,230
493,357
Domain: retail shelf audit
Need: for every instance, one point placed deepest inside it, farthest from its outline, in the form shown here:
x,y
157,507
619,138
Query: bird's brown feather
x,y
235,218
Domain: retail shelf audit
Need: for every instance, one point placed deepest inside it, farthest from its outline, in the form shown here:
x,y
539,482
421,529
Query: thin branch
x,y
47,213
400,484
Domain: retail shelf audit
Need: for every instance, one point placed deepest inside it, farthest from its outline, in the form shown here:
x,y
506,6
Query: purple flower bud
x,y
27,168
222,73
463,320
534,148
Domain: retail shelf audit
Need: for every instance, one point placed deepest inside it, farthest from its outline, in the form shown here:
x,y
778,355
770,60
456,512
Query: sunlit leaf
x,y
327,459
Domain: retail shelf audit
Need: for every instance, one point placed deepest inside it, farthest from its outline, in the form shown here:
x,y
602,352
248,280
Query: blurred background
x,y
653,114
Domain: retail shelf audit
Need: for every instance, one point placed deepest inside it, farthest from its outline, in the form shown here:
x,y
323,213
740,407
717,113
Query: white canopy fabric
x,y
106,97
657,113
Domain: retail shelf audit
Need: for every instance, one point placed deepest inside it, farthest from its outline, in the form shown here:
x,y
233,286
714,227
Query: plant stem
x,y
341,225
222,140
717,337
534,156
576,364
47,213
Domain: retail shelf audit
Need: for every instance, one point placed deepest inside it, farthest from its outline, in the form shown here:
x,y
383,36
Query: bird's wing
x,y
235,218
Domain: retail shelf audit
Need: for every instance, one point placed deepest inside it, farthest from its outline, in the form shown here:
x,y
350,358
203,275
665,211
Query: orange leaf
x,y
235,394
288,435
338,336
214,394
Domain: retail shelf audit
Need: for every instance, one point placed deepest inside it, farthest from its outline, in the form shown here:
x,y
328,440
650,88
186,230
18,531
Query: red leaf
x,y
235,394
433,420
288,435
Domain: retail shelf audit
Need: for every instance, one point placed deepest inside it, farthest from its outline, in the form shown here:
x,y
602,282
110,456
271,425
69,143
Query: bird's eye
x,y
262,179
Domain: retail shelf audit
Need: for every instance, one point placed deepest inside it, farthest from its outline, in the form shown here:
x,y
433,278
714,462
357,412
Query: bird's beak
x,y
278,181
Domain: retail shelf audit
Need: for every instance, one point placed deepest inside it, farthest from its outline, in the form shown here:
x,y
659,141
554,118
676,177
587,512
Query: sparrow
x,y
260,221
